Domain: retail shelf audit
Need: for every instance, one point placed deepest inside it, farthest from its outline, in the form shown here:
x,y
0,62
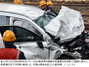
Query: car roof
x,y
30,11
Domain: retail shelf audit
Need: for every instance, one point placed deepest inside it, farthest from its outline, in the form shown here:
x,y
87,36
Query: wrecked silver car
x,y
38,34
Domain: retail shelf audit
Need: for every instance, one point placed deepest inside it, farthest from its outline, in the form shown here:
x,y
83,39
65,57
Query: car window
x,y
4,20
27,25
42,21
25,35
50,16
22,34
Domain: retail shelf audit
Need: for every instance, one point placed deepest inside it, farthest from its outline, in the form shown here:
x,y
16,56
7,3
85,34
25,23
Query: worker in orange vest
x,y
10,51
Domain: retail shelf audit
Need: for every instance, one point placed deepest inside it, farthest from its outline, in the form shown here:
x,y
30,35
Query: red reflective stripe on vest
x,y
8,53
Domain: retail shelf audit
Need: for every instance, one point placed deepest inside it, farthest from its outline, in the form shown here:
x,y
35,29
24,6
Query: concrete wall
x,y
51,0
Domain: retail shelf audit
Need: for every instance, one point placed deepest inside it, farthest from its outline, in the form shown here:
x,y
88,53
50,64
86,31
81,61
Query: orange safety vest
x,y
9,53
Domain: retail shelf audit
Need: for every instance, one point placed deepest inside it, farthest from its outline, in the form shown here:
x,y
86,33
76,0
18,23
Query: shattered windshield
x,y
42,21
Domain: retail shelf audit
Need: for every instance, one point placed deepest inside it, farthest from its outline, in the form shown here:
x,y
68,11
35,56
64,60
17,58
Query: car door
x,y
29,39
31,44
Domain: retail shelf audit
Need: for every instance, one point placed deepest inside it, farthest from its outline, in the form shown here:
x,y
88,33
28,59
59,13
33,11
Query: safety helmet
x,y
49,3
42,3
9,36
17,1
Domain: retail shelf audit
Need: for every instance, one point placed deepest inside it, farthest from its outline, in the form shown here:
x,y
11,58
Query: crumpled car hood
x,y
68,24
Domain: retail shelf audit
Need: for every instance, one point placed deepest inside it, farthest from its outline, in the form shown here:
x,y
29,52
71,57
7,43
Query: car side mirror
x,y
40,45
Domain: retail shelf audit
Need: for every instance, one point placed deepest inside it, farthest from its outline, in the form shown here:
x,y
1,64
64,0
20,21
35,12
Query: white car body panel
x,y
31,50
29,11
1,42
